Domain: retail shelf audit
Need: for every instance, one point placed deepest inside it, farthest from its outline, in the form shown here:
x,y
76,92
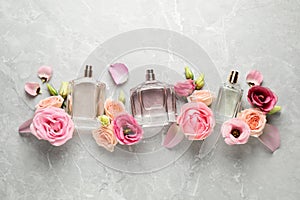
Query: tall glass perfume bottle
x,y
86,97
229,98
153,103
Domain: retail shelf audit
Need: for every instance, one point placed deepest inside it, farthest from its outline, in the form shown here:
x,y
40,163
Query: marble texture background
x,y
242,34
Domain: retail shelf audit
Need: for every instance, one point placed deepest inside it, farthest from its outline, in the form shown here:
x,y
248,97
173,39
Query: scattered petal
x,y
122,97
188,73
119,73
254,77
200,82
45,73
32,88
270,138
275,110
52,90
173,137
25,127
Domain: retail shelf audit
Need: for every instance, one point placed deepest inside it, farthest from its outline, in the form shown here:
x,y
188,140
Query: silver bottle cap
x,y
150,76
88,72
233,77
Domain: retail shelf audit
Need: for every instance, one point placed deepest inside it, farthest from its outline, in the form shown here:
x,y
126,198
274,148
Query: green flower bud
x,y
64,89
52,90
188,73
105,121
275,110
122,97
200,82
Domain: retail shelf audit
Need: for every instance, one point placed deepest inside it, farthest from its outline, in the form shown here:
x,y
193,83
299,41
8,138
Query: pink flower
x,y
184,88
254,77
262,97
127,130
52,101
204,96
255,119
196,120
52,124
105,137
235,131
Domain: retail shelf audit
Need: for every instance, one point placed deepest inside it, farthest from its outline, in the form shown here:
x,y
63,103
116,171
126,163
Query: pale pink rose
x,y
262,97
204,96
105,137
52,124
196,120
113,108
52,101
126,129
184,88
235,131
255,119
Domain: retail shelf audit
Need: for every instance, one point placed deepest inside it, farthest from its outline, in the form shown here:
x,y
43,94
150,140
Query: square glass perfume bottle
x,y
153,103
86,98
229,99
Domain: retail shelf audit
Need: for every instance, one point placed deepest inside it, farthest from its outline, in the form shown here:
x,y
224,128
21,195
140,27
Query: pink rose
x,y
184,88
105,137
255,119
126,129
235,131
262,97
196,120
52,101
52,124
204,96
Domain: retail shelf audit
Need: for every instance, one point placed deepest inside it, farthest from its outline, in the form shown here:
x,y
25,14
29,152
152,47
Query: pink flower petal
x,y
25,127
254,77
119,73
270,138
45,73
174,136
32,88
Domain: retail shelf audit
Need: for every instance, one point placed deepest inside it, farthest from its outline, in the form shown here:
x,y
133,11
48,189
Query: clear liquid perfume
x,y
153,103
86,97
229,98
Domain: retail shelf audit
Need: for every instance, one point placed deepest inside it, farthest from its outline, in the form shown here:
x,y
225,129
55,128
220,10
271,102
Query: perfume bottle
x,y
86,97
153,103
229,98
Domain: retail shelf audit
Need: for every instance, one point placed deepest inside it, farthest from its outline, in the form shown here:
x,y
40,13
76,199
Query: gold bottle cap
x,y
233,77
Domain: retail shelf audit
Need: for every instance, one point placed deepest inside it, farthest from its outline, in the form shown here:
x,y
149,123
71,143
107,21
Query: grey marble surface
x,y
237,34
